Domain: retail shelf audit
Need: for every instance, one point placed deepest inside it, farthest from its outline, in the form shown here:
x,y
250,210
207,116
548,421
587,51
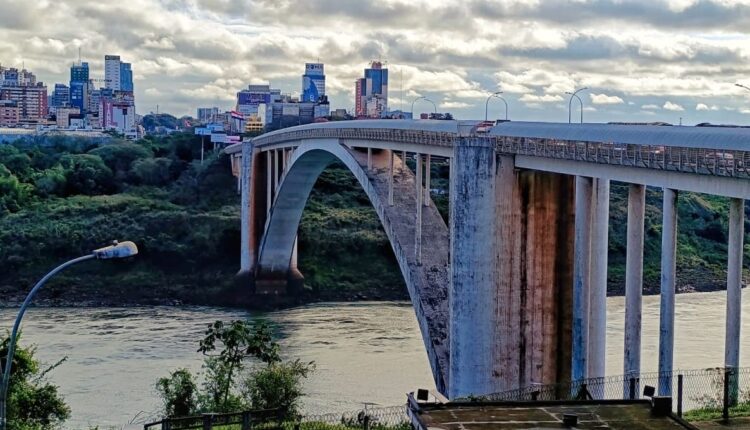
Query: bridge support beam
x,y
390,177
582,276
634,284
534,224
734,283
418,222
597,351
472,292
427,167
249,230
668,274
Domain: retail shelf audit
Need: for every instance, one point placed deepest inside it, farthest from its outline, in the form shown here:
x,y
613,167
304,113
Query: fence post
x,y
632,389
366,422
679,396
166,424
246,420
207,421
725,409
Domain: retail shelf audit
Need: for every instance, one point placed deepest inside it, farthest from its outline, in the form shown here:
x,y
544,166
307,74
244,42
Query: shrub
x,y
277,386
179,393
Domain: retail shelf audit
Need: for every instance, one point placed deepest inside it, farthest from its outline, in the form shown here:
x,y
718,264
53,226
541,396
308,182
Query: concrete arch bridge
x,y
513,291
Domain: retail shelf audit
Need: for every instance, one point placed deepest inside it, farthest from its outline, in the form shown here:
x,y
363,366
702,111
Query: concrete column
x,y
275,171
598,295
403,162
247,251
369,159
427,179
472,292
581,276
269,181
734,282
634,283
668,273
418,223
390,177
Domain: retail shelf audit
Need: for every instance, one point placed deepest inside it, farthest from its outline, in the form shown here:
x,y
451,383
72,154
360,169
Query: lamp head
x,y
116,250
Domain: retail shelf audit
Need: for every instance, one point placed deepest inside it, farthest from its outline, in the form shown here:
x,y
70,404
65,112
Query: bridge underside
x,y
521,276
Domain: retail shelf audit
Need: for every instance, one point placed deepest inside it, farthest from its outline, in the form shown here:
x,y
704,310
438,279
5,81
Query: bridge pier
x,y
634,283
427,162
668,275
390,177
734,283
472,293
418,221
582,276
597,351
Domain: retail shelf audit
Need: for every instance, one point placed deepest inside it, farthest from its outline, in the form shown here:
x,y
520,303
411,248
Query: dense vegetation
x,y
242,370
33,402
60,198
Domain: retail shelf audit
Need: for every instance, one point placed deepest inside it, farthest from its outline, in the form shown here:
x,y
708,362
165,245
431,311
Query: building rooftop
x,y
602,414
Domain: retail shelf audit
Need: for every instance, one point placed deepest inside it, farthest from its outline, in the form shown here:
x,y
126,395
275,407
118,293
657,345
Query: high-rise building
x,y
10,113
372,92
126,77
60,96
30,100
313,82
248,100
112,72
79,86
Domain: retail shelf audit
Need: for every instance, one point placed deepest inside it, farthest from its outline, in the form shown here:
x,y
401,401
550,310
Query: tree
x,y
33,403
87,174
277,386
119,157
13,193
238,340
152,171
179,393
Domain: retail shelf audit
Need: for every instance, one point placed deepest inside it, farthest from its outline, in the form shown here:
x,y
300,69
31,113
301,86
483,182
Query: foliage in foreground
x,y
33,402
242,370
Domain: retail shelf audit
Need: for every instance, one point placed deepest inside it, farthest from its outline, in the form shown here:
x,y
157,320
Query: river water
x,y
364,352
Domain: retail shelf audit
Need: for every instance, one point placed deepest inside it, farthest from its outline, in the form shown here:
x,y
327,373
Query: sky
x,y
642,60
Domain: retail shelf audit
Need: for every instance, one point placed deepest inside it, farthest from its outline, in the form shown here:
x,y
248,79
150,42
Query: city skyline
x,y
643,61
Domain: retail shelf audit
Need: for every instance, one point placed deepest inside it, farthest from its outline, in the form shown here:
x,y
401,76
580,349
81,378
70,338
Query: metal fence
x,y
716,392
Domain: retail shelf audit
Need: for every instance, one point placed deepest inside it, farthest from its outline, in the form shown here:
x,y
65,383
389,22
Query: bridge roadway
x,y
513,291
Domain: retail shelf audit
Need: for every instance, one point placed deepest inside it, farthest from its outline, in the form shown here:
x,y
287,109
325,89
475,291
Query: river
x,y
364,352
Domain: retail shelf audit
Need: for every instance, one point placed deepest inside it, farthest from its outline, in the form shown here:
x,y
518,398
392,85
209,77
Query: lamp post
x,y
570,103
496,95
434,106
742,86
114,251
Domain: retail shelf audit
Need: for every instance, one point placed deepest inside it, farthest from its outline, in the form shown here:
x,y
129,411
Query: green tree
x,y
13,193
277,386
152,171
33,403
119,157
179,393
230,345
87,174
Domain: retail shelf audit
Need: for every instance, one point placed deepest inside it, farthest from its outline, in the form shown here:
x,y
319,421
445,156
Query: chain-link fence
x,y
697,394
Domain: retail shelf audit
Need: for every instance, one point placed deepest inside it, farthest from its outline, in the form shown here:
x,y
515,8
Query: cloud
x,y
673,107
546,98
190,53
603,99
454,105
705,107
650,107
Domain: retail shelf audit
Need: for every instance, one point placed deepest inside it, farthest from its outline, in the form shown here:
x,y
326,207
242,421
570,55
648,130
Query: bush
x,y
179,393
13,193
277,386
33,403
87,174
152,171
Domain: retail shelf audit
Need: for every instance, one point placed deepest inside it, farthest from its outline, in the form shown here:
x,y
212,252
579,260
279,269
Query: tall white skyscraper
x,y
112,72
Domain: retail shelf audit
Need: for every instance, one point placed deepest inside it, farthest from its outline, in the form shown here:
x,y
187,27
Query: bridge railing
x,y
697,394
716,162
703,161
377,134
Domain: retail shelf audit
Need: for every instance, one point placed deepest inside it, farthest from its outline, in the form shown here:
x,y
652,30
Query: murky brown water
x,y
364,352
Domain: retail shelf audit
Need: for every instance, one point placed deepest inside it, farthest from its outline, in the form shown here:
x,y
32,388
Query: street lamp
x,y
434,106
496,95
743,86
570,103
114,251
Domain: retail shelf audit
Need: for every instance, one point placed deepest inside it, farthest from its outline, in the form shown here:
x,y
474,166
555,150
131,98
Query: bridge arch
x,y
427,282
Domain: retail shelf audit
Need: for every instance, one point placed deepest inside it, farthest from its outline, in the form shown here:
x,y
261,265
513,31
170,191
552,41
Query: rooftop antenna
x,y
401,103
79,55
